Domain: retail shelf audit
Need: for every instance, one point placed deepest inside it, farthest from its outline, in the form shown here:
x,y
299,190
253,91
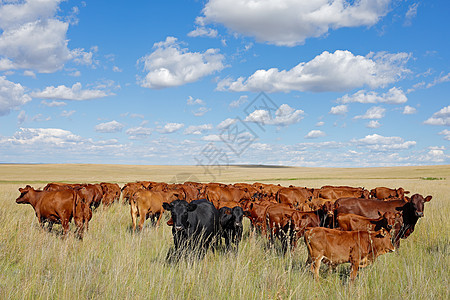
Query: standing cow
x,y
195,226
231,225
57,207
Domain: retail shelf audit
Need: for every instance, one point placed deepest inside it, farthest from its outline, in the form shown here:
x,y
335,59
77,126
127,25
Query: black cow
x,y
231,225
195,225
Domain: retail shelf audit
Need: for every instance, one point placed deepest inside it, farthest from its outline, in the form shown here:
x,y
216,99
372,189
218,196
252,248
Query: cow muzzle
x,y
419,214
178,228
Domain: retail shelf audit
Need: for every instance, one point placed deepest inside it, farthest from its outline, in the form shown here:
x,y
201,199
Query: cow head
x,y
382,242
24,195
365,193
418,203
179,210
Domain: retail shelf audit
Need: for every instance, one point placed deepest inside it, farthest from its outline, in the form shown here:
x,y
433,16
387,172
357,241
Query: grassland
x,y
111,262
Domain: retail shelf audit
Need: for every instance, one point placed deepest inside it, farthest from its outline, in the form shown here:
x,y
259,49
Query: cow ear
x,y
428,198
167,206
379,214
407,199
191,207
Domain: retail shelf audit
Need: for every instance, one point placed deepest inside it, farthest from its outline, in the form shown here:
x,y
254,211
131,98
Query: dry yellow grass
x,y
111,262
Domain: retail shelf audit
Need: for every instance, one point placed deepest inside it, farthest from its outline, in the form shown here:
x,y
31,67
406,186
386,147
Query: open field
x,y
111,262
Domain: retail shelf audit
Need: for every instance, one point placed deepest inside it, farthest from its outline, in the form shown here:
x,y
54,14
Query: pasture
x,y
112,262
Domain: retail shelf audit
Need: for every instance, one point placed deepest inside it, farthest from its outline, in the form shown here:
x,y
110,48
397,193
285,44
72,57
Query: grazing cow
x,y
111,193
352,222
56,207
231,225
294,196
195,225
217,193
359,248
411,210
383,193
149,204
129,189
256,212
329,192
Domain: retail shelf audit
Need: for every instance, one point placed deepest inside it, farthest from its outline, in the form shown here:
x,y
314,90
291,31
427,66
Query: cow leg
x,y
142,218
134,215
315,266
354,269
65,225
159,219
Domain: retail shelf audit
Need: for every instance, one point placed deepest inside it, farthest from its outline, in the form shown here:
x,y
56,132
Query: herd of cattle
x,y
338,223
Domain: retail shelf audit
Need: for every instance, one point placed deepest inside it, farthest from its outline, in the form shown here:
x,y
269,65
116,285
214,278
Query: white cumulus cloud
x,y
75,92
373,124
313,134
12,96
446,134
109,127
375,112
226,123
33,37
203,31
289,23
339,110
338,71
393,96
442,117
171,127
197,129
137,133
409,110
382,143
284,116
170,65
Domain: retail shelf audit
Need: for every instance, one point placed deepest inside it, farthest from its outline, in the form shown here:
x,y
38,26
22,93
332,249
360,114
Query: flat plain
x,y
112,262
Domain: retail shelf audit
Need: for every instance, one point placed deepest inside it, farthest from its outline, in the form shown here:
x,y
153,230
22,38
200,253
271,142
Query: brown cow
x,y
329,192
411,210
111,193
56,207
294,196
255,211
218,193
352,222
359,248
383,193
147,204
129,189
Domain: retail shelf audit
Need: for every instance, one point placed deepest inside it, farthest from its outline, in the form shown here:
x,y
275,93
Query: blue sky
x,y
316,83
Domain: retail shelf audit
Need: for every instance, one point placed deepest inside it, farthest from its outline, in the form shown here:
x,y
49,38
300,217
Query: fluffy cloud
x,y
226,123
393,96
32,37
171,127
289,23
339,110
373,124
338,71
191,101
446,134
409,110
375,112
12,96
239,102
75,92
109,127
441,117
203,31
137,133
313,134
56,136
193,129
170,65
284,116
381,143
